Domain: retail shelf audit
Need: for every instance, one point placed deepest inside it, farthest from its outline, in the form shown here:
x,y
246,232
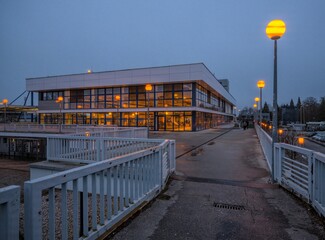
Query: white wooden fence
x,y
82,149
85,202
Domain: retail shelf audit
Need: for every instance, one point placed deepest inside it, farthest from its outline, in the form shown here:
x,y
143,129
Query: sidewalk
x,y
221,191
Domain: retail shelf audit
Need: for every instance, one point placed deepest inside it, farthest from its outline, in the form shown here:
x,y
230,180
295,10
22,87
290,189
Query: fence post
x,y
98,154
160,171
311,163
9,212
32,212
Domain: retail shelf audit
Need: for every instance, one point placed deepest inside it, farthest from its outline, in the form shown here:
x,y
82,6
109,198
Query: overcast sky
x,y
46,37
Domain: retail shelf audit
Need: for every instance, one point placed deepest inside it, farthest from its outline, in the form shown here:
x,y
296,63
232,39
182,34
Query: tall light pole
x,y
261,85
148,90
5,102
275,30
117,99
59,100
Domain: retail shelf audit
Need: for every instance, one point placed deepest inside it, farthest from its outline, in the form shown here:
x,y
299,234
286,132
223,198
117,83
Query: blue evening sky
x,y
48,37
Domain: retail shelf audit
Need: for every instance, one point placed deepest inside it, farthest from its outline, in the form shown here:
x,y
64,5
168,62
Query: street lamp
x,y
148,88
257,99
261,85
59,100
275,30
5,102
117,98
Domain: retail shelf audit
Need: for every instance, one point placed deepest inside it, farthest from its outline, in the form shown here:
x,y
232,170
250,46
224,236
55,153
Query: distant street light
x,y
148,90
275,30
261,85
5,102
59,100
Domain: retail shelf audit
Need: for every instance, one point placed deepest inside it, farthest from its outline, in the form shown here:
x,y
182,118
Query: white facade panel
x,y
178,73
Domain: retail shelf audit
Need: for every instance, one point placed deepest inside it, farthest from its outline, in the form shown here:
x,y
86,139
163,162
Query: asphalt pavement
x,y
222,190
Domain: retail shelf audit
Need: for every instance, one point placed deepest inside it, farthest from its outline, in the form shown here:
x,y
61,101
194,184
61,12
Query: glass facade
x,y
127,106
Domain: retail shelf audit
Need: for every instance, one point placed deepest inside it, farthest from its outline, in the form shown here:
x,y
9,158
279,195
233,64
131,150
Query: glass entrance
x,y
161,123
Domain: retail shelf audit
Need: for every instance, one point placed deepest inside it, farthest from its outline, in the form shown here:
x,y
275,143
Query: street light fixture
x,y
5,102
275,30
117,98
261,85
59,100
148,88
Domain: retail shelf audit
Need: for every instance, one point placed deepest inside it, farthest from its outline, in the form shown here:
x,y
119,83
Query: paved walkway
x,y
222,191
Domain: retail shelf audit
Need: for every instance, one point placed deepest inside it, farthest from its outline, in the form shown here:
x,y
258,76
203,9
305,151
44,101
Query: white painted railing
x,y
90,149
105,131
294,169
87,201
298,169
9,212
319,182
266,144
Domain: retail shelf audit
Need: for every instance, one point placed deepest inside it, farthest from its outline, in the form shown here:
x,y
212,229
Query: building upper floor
x,y
172,86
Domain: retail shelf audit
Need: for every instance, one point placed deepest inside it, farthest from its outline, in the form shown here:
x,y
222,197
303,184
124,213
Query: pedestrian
x,y
245,125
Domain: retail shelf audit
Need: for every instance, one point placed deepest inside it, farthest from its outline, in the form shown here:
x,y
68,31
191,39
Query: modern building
x,y
181,98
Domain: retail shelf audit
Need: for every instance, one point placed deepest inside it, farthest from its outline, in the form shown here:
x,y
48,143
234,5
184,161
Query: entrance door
x,y
161,123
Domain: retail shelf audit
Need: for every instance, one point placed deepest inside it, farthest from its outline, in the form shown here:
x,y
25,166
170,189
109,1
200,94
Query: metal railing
x,y
90,149
298,169
319,182
76,130
9,212
266,143
87,201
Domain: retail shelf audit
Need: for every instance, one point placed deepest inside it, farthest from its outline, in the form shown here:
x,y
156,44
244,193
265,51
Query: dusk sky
x,y
45,38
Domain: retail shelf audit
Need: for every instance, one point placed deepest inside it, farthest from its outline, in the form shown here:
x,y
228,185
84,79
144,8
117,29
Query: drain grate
x,y
228,206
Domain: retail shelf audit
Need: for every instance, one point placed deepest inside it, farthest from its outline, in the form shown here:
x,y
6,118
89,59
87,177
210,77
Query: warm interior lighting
x,y
280,131
270,127
87,134
275,29
148,87
257,99
301,140
260,84
60,99
117,97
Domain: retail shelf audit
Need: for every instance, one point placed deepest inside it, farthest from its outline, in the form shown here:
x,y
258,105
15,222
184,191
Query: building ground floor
x,y
158,120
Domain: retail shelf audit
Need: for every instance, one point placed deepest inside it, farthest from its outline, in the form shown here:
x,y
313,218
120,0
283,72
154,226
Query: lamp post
x,y
117,98
59,100
5,102
148,90
275,30
261,85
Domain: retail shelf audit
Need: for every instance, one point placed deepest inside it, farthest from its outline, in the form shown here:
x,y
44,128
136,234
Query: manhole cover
x,y
228,206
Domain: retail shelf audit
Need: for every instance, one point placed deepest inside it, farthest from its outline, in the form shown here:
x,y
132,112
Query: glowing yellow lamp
x,y
275,29
5,101
117,97
280,131
148,87
260,84
255,105
301,140
257,99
